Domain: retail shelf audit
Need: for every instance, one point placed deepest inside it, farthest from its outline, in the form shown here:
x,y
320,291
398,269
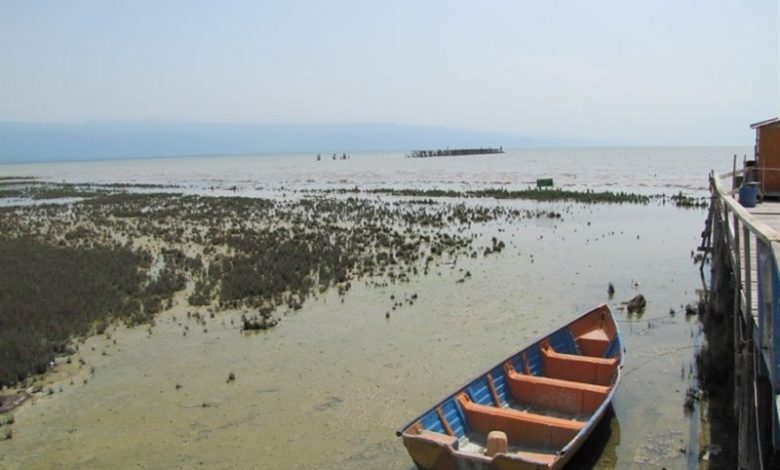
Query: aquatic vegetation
x,y
534,194
132,185
70,269
34,189
15,178
260,322
12,193
59,191
683,200
49,294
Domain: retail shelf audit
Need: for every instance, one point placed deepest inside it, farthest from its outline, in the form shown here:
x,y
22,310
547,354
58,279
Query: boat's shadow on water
x,y
599,451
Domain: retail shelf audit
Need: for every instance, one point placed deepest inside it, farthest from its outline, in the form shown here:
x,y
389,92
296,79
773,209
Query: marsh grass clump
x,y
683,200
61,190
11,193
49,294
35,189
100,326
533,194
258,322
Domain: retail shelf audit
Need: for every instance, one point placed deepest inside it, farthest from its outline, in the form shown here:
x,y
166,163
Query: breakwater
x,y
454,152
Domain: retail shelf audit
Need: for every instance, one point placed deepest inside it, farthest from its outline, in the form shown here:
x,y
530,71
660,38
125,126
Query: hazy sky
x,y
649,72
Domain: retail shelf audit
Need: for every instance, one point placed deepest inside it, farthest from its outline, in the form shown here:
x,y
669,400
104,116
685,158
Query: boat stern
x,y
429,450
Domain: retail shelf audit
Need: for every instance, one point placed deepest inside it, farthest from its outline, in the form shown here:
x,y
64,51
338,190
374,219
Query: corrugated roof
x,y
768,122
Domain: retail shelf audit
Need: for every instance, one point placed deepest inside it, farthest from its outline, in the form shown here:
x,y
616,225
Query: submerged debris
x,y
698,308
691,397
636,305
9,402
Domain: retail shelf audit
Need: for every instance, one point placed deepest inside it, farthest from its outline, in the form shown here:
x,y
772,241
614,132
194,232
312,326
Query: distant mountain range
x,y
27,142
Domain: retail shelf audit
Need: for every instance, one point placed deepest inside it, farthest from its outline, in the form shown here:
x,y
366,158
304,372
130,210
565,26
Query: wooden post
x,y
738,265
747,284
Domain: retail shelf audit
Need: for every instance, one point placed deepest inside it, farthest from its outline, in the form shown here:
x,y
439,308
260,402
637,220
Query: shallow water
x,y
331,384
649,170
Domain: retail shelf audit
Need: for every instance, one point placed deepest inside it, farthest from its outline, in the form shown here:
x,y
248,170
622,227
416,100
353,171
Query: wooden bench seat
x,y
593,343
586,369
560,395
521,428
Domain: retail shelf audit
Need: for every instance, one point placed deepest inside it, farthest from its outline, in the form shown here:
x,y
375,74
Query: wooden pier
x,y
744,244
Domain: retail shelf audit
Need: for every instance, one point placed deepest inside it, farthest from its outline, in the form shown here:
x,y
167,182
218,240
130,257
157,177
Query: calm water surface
x,y
648,170
330,385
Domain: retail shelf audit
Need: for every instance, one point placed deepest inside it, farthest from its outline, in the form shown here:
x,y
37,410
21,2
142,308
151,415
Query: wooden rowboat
x,y
533,410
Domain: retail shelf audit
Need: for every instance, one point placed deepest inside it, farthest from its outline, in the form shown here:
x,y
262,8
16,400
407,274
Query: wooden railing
x,y
746,233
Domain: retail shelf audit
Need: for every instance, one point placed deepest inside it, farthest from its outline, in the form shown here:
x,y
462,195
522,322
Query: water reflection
x,y
600,450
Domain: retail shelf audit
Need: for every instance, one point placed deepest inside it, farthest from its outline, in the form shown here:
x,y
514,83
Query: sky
x,y
646,73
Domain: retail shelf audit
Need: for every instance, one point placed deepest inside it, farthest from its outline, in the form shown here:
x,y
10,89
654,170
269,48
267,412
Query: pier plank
x,y
767,212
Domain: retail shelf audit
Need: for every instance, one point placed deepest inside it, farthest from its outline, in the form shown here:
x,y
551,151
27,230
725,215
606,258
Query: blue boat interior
x,y
492,389
612,350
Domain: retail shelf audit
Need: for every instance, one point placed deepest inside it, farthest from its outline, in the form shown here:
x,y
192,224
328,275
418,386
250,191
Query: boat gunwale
x,y
597,413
